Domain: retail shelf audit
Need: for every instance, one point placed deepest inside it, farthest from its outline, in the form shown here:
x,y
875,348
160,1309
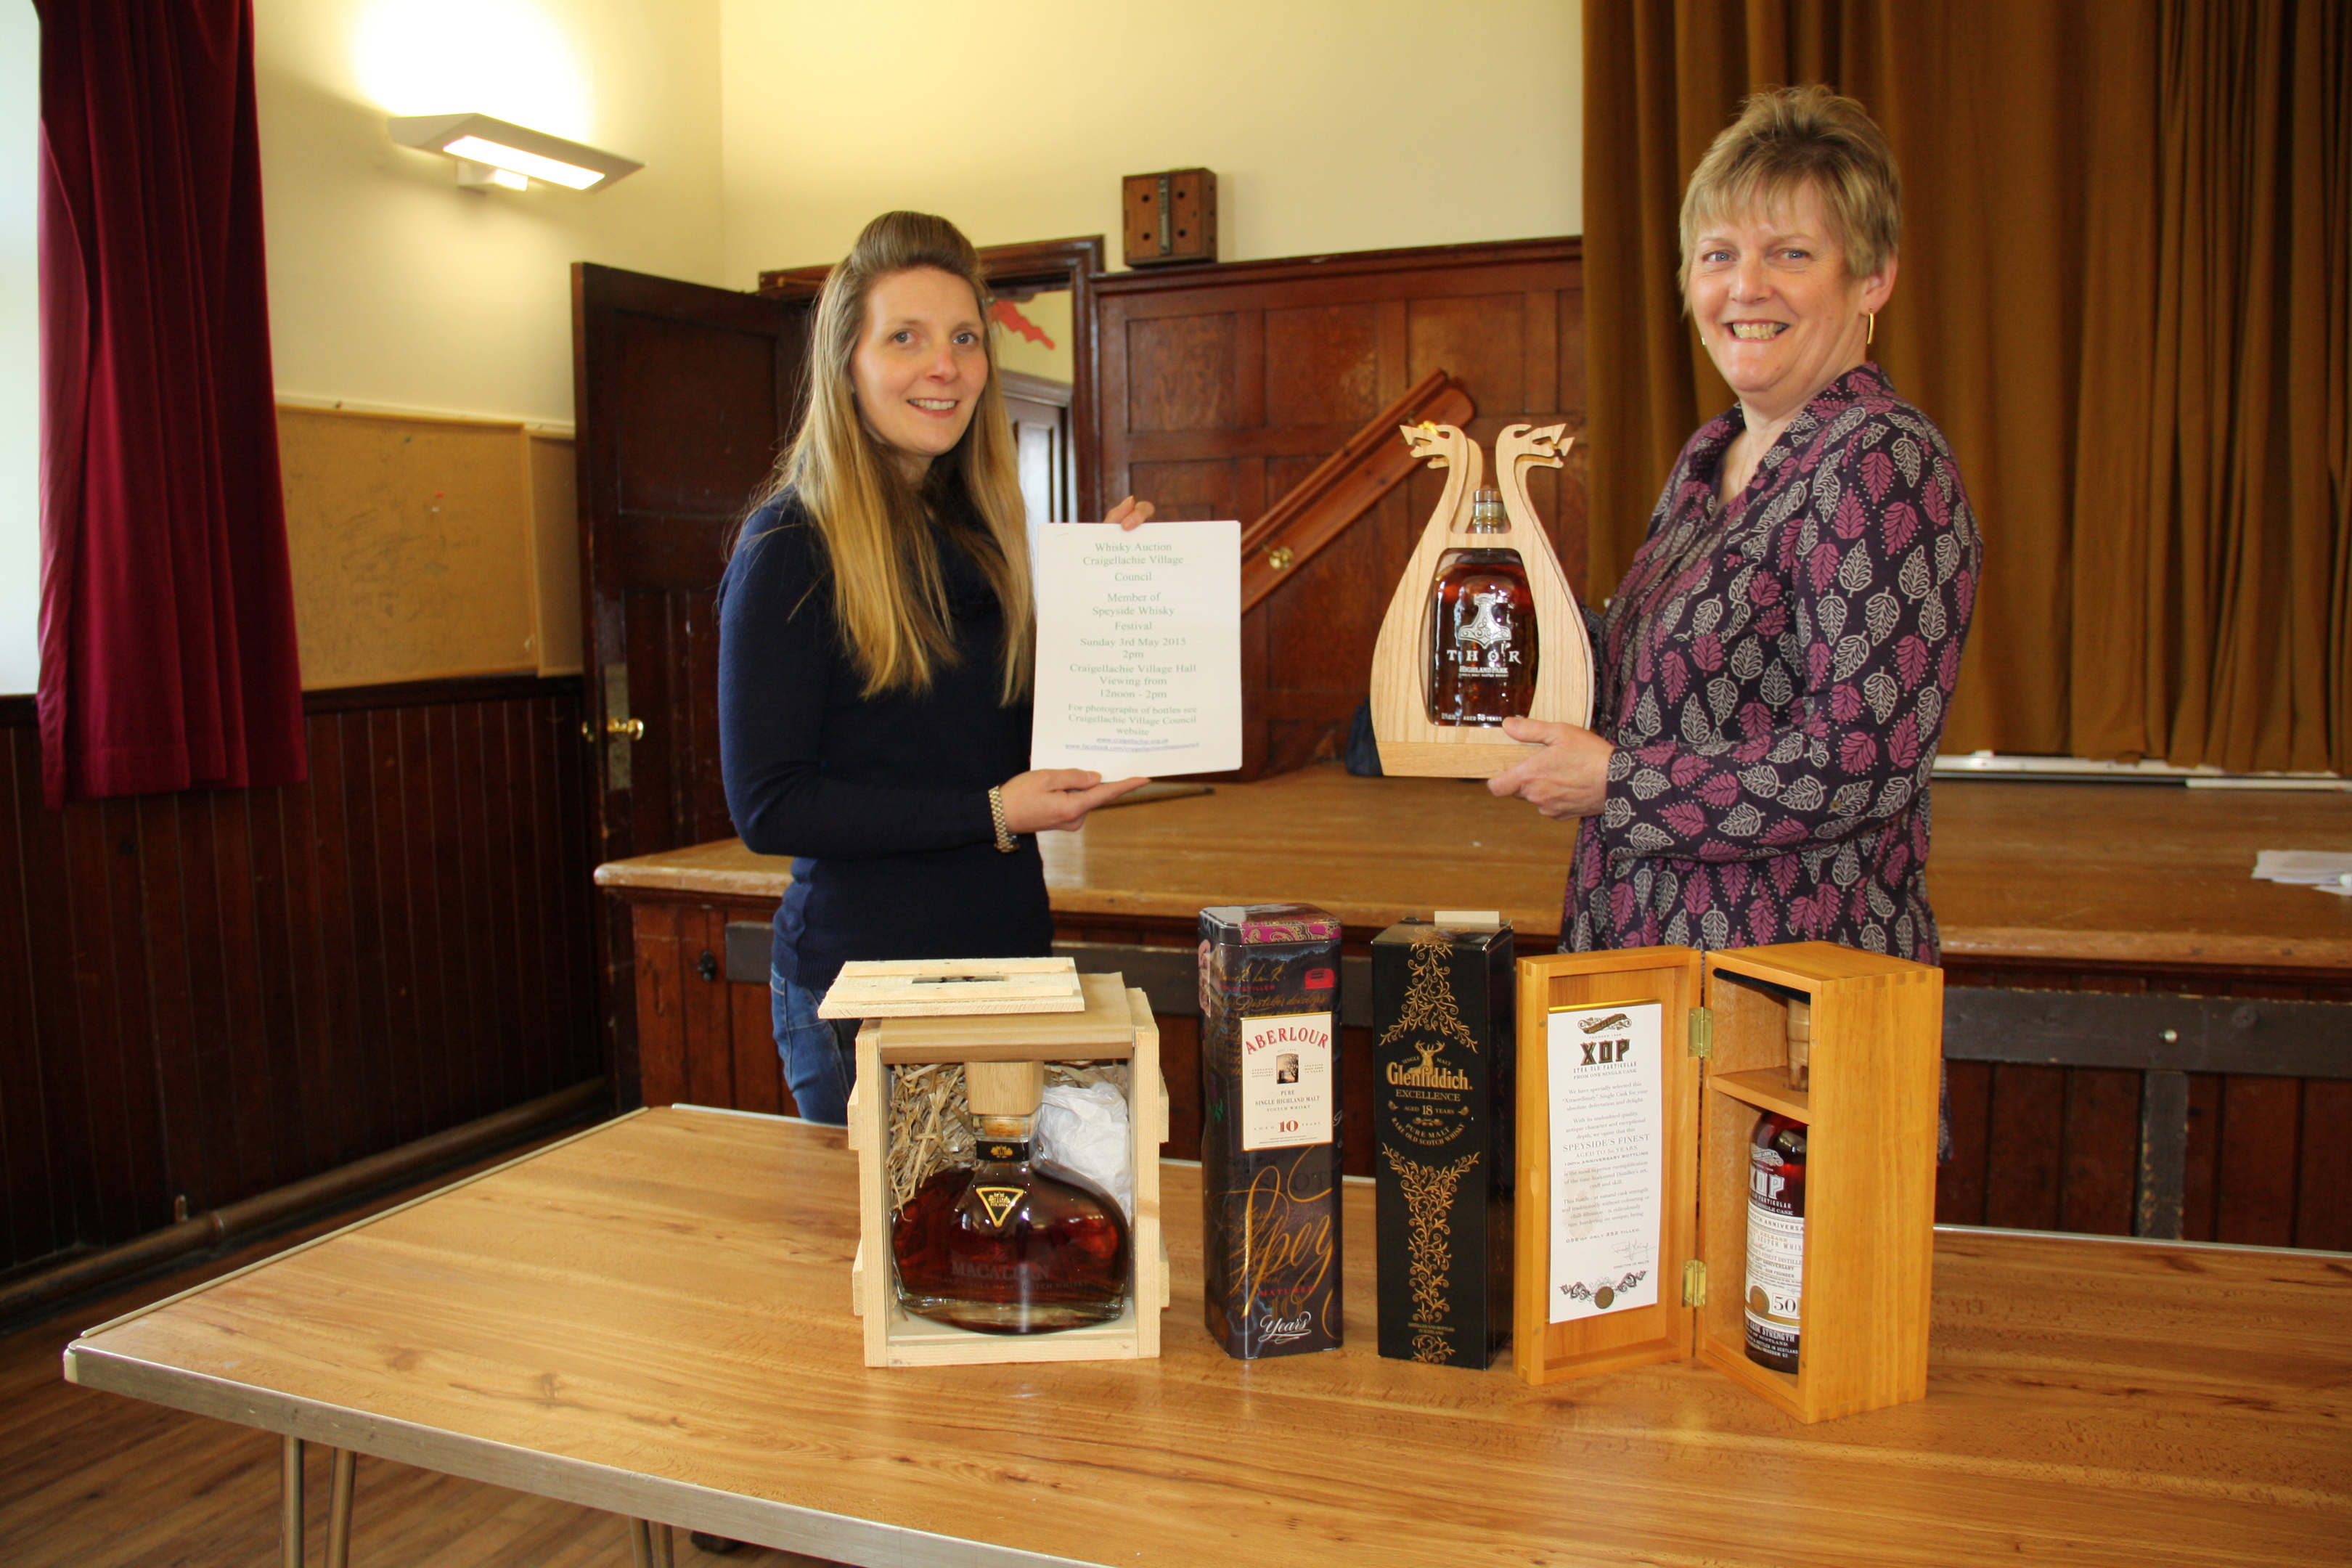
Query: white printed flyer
x,y
1607,1079
1139,649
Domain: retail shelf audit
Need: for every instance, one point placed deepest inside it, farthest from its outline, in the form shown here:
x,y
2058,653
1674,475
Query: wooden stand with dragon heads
x,y
1410,744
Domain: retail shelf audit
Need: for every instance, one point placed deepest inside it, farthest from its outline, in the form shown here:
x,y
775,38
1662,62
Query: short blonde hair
x,y
1792,136
889,591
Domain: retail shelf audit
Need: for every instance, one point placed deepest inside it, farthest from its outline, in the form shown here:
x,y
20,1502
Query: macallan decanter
x,y
1010,1243
1776,1213
1482,631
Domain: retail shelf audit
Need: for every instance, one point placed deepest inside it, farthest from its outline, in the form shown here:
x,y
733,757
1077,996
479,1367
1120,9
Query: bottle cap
x,y
1004,1089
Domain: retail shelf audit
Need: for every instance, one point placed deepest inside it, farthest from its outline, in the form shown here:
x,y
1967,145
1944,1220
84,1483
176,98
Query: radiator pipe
x,y
214,1226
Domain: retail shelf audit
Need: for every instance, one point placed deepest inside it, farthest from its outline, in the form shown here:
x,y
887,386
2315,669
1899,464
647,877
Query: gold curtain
x,y
2124,297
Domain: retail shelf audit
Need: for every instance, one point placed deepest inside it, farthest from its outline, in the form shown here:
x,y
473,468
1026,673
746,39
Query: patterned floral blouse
x,y
1774,676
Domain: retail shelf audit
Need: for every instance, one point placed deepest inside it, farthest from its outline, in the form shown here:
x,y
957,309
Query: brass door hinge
x,y
1701,1033
1694,1283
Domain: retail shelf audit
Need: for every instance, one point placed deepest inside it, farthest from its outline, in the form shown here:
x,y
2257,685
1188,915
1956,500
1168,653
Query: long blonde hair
x,y
889,594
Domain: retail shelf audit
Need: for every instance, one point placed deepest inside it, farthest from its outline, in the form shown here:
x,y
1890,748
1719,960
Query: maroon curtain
x,y
167,620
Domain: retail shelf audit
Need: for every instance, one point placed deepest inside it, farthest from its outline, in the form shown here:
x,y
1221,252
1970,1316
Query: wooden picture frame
x,y
1410,744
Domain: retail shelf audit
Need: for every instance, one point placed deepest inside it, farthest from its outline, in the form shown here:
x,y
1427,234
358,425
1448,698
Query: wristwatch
x,y
1004,840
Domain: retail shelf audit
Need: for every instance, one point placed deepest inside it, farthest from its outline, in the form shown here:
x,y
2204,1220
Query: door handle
x,y
625,729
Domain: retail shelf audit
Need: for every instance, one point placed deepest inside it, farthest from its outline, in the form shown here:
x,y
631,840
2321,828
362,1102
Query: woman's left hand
x,y
1567,777
1057,799
1130,514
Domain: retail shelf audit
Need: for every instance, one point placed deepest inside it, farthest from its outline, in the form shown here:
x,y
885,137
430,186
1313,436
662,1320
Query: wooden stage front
x,y
2082,924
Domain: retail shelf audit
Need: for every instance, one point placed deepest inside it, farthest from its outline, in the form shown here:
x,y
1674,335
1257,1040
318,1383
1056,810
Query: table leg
x,y
650,1545
339,1509
289,1502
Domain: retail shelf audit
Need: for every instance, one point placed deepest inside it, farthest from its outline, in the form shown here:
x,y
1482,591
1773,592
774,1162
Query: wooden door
x,y
683,394
1039,411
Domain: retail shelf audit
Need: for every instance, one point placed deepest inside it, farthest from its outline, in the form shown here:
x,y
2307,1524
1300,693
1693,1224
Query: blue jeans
x,y
820,1060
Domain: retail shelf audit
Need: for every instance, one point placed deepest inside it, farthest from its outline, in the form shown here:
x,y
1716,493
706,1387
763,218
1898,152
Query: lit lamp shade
x,y
491,151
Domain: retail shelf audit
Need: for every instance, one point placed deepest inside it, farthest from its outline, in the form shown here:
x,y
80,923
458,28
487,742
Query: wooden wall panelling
x,y
1222,386
702,1001
2097,1186
234,1054
2043,1147
759,1075
2200,1188
661,1073
337,1014
212,994
2323,1183
108,973
180,1001
701,1039
2255,1185
1960,1181
39,1099
2028,1129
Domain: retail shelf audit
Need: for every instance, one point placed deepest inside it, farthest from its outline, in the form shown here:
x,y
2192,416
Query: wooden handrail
x,y
1344,486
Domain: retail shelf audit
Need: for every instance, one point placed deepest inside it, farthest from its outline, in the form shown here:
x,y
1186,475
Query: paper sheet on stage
x,y
1139,649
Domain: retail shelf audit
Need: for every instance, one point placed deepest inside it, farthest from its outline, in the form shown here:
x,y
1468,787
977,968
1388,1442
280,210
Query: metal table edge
x,y
793,1527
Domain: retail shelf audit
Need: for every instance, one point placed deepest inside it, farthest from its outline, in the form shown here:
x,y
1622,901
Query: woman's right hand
x,y
1050,799
1130,514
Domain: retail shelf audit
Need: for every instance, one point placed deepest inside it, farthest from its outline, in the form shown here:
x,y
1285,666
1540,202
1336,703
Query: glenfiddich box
x,y
1443,1071
1270,1127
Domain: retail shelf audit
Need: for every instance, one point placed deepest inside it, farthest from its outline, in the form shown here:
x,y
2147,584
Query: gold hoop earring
x,y
1870,332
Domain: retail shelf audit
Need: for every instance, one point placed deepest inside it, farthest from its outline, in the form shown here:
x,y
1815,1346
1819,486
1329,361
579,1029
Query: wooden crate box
x,y
1115,1026
1870,1114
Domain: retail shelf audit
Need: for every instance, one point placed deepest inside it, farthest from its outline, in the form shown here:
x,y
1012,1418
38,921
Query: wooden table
x,y
653,1318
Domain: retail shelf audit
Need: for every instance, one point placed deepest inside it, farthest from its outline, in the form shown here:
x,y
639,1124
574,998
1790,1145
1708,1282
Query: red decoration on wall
x,y
1006,314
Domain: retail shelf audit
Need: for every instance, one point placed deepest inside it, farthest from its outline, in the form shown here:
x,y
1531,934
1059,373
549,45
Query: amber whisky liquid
x,y
1776,1239
1011,1244
1482,631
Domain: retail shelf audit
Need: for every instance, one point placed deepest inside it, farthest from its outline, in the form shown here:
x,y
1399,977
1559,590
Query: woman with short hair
x,y
876,651
1772,675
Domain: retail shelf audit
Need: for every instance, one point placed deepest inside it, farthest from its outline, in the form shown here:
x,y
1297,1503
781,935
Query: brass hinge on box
x,y
1701,1033
1694,1283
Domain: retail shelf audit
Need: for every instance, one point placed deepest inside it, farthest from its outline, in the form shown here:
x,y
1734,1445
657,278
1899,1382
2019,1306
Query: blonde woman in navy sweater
x,y
876,651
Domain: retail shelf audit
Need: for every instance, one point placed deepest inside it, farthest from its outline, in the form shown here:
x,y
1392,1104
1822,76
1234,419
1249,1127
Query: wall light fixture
x,y
493,152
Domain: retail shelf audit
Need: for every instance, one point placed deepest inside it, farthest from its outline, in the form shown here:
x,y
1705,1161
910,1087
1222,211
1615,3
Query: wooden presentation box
x,y
1115,1027
1411,742
1870,1111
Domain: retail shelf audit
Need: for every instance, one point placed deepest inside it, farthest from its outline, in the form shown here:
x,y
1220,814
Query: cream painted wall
x,y
390,286
1332,124
20,424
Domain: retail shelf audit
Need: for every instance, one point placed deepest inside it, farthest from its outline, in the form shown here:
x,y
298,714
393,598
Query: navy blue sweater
x,y
882,801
